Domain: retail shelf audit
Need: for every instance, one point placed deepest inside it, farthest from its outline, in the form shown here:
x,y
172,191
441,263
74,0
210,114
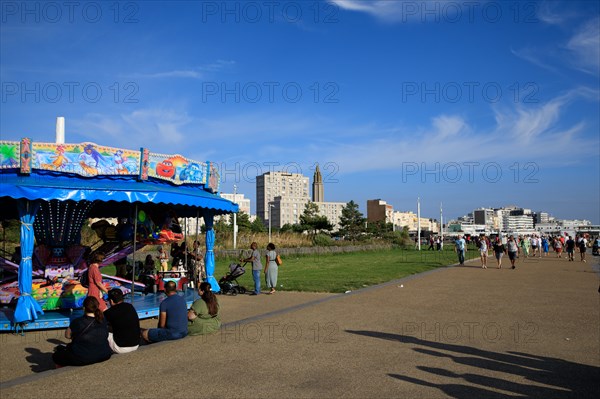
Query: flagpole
x,y
419,223
441,223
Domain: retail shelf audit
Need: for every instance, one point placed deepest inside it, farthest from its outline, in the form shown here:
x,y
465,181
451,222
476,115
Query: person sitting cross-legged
x,y
88,335
204,313
123,323
172,319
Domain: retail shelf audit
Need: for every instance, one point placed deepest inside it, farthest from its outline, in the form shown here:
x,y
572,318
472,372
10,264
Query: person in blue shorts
x,y
172,319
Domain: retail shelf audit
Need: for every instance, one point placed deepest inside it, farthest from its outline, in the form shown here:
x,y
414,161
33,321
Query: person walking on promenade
x,y
534,245
431,242
545,245
558,247
256,267
483,251
96,288
524,244
271,268
595,246
499,251
582,247
513,250
460,247
570,249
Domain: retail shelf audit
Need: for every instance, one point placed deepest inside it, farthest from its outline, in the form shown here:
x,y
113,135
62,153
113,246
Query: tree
x,y
257,226
221,225
243,222
379,229
287,228
311,221
352,222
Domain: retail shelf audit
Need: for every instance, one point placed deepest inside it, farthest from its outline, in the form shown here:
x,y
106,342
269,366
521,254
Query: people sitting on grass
x,y
204,313
172,319
89,338
123,323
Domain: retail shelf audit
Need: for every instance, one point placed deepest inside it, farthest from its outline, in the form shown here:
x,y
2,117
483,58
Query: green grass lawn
x,y
348,271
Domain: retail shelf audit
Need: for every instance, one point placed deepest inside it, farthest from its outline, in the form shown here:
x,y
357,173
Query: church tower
x,y
317,187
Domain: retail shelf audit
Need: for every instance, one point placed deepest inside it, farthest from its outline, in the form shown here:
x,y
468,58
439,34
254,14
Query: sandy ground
x,y
460,332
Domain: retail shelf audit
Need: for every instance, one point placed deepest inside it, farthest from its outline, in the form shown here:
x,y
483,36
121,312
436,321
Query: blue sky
x,y
467,103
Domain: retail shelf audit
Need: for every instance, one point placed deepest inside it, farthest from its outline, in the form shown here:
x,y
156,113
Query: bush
x,y
322,240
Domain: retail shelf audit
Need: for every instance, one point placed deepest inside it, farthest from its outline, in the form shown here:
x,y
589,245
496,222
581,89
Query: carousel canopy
x,y
112,179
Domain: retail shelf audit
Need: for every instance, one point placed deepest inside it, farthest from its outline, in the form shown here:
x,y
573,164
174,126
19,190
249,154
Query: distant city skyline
x,y
435,216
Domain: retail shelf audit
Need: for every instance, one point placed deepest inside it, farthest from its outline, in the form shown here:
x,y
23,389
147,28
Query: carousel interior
x,y
130,205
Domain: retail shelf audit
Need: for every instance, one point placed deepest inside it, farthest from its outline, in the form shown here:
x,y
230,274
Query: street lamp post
x,y
234,218
419,223
270,206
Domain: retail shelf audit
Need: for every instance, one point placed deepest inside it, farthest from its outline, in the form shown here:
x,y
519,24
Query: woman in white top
x,y
483,251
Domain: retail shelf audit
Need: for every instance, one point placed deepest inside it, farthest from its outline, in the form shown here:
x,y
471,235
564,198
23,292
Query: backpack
x,y
84,279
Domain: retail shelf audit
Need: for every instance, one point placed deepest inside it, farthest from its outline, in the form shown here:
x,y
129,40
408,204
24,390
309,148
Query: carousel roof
x,y
114,187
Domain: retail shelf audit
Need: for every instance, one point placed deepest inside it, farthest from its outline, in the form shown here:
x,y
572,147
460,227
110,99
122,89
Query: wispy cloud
x,y
585,46
388,11
543,58
199,72
547,12
581,51
524,134
160,129
194,74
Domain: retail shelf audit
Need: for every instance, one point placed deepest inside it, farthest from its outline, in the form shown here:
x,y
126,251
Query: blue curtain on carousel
x,y
209,258
27,308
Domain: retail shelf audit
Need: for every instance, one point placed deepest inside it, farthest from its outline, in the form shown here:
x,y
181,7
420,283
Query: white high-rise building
x,y
237,198
332,211
279,184
287,210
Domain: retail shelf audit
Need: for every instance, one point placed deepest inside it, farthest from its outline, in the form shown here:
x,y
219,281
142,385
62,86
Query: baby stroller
x,y
229,284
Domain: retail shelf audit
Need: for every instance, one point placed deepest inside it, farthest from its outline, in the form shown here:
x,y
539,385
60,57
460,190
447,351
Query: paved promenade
x,y
459,332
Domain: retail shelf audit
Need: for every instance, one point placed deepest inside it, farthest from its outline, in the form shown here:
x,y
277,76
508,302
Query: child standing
x,y
163,258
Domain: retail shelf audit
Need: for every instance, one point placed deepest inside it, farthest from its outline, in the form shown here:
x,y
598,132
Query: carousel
x,y
54,189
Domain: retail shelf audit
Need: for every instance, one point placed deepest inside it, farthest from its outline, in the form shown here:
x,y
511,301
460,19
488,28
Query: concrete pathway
x,y
460,332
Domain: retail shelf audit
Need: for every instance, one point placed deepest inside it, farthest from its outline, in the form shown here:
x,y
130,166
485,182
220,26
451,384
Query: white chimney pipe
x,y
60,130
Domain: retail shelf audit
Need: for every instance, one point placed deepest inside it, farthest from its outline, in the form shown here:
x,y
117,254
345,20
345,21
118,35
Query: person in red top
x,y
96,288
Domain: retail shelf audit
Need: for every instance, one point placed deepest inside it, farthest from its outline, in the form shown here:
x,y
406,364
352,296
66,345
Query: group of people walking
x,y
103,331
526,246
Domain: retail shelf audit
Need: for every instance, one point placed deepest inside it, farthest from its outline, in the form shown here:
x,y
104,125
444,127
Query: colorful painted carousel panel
x,y
176,169
55,294
85,159
9,154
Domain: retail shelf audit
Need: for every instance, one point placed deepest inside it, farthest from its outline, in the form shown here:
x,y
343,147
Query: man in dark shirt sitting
x,y
172,319
124,323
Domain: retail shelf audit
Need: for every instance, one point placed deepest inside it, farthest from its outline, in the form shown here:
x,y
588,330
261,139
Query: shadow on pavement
x,y
41,361
562,379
